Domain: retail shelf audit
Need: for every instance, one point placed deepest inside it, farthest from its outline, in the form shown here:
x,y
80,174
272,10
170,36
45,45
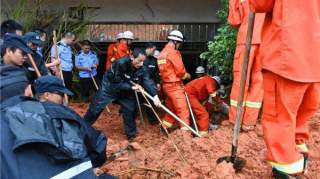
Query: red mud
x,y
200,153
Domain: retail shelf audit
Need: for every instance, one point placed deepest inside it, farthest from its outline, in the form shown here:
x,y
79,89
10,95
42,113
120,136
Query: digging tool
x,y
139,107
191,112
94,82
239,163
164,128
131,147
97,88
34,65
169,112
58,68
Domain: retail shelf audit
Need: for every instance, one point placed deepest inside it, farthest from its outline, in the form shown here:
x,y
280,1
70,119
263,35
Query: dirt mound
x,y
159,159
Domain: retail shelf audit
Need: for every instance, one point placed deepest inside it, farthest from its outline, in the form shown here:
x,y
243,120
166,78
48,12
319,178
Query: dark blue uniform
x,y
151,67
116,87
45,140
40,63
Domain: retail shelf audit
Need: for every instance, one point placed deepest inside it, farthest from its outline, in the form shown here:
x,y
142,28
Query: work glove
x,y
186,76
136,87
158,87
156,101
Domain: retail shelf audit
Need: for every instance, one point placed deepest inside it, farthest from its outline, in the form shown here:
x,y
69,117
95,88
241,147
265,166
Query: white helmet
x,y
175,35
119,36
128,35
200,70
156,53
218,79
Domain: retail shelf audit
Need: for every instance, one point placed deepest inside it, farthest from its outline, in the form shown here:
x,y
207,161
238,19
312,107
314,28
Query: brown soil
x,y
159,159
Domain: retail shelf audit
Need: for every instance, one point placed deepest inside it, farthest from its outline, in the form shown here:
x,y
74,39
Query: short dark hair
x,y
4,49
150,45
138,51
86,42
10,26
69,34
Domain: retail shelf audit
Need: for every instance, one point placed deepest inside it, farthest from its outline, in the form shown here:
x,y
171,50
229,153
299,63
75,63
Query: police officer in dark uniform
x,y
116,87
151,67
32,39
14,50
46,139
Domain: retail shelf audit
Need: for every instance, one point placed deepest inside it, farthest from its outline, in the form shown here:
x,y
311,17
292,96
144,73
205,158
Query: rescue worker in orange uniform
x,y
119,49
238,18
172,72
290,54
199,90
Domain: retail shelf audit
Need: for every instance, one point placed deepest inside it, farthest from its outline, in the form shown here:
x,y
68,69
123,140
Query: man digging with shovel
x,y
116,87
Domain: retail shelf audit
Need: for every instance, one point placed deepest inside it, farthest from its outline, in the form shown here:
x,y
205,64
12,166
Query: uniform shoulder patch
x,y
161,61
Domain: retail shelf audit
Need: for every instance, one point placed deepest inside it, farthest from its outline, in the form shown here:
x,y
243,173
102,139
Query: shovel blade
x,y
238,163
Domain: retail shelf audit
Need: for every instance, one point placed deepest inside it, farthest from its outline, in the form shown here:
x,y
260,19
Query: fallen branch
x,y
166,172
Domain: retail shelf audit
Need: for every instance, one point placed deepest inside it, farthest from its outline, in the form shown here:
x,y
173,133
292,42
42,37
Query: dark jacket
x,y
40,63
43,140
151,67
122,72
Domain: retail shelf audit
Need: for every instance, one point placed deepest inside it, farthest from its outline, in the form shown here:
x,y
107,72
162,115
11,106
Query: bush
x,y
221,49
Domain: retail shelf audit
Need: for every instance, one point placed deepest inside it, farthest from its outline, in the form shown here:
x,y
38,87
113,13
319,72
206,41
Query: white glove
x,y
136,87
156,101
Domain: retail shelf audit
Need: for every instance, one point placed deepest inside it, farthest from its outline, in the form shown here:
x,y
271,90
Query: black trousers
x,y
87,85
107,94
67,76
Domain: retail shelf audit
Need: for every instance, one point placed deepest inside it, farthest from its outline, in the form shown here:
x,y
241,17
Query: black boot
x,y
277,174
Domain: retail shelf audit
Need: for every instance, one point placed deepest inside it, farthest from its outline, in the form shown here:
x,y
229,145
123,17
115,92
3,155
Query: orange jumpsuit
x,y
199,91
116,51
238,18
290,54
172,72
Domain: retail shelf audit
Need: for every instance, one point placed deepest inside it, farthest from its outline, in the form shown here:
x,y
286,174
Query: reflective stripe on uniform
x,y
74,171
162,61
249,104
292,168
302,147
167,124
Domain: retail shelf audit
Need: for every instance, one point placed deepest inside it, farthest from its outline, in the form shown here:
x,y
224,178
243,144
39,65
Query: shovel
x,y
239,163
114,156
97,88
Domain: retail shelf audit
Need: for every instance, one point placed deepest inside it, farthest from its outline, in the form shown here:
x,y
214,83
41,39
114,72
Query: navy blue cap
x,y
13,81
50,84
32,37
16,41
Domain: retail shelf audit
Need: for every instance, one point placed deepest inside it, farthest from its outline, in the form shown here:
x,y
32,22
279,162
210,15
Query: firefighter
x,y
119,49
199,91
238,18
117,87
172,73
290,51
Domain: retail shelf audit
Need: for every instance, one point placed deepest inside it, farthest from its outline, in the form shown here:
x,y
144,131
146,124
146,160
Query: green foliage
x,y
221,49
31,15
